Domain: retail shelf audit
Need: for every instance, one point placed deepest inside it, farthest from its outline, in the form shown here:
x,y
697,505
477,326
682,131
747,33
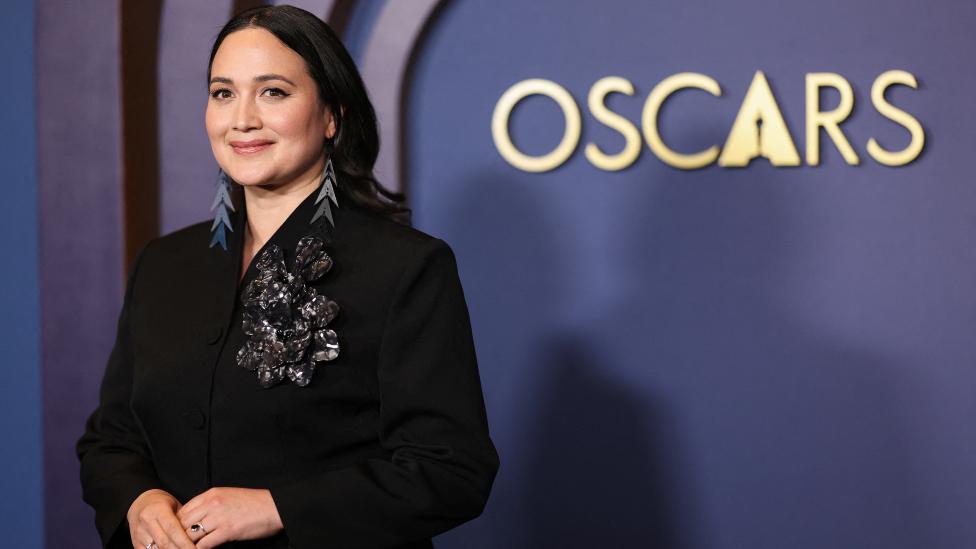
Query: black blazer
x,y
386,447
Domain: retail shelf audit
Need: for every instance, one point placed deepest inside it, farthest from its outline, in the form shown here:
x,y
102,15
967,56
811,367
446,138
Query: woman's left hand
x,y
228,514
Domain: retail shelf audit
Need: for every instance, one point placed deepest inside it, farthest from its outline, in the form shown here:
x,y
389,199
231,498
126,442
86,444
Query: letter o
x,y
503,110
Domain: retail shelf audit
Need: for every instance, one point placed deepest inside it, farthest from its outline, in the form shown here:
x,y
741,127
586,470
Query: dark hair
x,y
355,145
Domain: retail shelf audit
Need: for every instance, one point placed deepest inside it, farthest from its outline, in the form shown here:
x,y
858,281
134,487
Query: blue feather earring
x,y
326,190
221,203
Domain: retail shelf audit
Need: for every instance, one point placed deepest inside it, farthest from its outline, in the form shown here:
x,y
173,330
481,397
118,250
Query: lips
x,y
250,147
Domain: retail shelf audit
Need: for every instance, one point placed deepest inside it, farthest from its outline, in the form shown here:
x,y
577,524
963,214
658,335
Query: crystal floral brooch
x,y
285,320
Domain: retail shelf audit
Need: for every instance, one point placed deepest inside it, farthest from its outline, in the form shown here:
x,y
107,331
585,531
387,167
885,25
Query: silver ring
x,y
152,545
197,527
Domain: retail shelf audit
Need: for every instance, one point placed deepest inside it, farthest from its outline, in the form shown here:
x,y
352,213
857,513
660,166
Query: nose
x,y
246,116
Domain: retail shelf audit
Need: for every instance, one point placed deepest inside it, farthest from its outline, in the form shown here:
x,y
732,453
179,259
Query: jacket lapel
x,y
226,264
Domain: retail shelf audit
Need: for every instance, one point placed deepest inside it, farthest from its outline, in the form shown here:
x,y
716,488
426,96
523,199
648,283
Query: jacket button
x,y
213,336
193,418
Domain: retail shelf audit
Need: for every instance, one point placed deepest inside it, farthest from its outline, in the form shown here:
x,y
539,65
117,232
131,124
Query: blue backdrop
x,y
20,379
722,358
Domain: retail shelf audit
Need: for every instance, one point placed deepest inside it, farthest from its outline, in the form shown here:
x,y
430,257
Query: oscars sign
x,y
758,130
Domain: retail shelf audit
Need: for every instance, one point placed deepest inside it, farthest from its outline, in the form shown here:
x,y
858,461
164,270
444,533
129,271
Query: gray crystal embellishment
x,y
285,320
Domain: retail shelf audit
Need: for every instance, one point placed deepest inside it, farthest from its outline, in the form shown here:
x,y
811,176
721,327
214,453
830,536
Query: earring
x,y
221,202
326,190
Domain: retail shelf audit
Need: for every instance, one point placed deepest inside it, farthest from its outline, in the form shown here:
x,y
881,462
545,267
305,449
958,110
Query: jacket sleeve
x,y
116,463
432,419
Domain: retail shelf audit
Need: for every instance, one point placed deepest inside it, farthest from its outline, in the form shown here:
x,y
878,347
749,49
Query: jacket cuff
x,y
118,494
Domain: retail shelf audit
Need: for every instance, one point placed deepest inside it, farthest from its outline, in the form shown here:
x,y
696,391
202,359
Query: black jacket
x,y
386,447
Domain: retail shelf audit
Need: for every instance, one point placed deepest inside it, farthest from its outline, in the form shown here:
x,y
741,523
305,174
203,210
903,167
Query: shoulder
x,y
185,241
170,258
362,225
396,246
390,263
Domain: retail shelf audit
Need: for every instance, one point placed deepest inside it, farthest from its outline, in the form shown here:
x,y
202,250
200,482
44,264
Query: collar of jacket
x,y
296,226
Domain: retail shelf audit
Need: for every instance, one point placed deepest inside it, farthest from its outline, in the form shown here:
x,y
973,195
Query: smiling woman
x,y
266,124
263,100
227,412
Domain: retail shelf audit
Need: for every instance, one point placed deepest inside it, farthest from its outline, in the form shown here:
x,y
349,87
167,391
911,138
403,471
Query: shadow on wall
x,y
586,462
801,434
599,459
703,406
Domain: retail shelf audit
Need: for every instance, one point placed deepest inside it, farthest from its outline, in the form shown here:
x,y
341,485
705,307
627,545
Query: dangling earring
x,y
326,190
221,202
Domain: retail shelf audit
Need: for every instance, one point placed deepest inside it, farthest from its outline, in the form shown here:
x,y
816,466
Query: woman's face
x,y
265,121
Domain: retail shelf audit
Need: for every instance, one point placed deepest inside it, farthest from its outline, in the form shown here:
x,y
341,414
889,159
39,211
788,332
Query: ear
x,y
330,125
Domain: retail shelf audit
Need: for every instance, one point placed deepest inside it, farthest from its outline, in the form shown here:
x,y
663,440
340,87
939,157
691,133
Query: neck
x,y
269,206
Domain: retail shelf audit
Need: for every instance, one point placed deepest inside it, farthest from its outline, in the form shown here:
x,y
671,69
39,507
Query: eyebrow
x,y
259,78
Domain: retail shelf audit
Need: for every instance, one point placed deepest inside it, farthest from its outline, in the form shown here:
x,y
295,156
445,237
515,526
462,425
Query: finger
x,y
189,518
194,504
137,533
196,535
188,507
141,535
213,539
157,534
140,532
175,533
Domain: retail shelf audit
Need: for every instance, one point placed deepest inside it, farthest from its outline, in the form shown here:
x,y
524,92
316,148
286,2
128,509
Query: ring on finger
x,y
198,527
152,545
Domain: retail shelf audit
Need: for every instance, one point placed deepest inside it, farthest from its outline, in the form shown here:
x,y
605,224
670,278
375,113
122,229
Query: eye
x,y
276,92
218,93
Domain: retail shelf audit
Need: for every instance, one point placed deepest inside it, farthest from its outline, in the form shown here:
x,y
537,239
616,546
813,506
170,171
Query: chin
x,y
250,179
259,184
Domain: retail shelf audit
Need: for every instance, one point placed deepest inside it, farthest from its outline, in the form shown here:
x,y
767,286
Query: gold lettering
x,y
626,157
759,130
503,110
652,106
897,115
829,121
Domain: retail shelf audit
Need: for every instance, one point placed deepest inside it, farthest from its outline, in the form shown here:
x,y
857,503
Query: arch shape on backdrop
x,y
386,65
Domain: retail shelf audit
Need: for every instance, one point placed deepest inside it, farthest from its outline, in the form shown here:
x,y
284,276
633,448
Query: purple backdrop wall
x,y
80,238
723,358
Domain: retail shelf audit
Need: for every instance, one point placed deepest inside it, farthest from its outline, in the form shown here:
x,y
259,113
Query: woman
x,y
298,373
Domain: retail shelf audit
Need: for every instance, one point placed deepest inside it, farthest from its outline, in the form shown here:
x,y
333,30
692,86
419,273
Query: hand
x,y
228,514
152,518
